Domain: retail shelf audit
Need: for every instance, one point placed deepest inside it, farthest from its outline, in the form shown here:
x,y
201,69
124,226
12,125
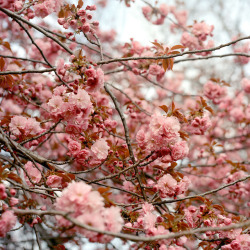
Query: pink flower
x,y
90,73
189,41
78,198
54,181
146,207
100,149
237,114
33,173
166,186
245,48
164,9
200,125
182,186
74,147
155,69
22,126
13,201
3,194
47,7
246,85
214,91
149,220
82,156
7,222
146,10
87,207
81,99
60,67
202,30
179,150
164,129
94,83
113,220
141,138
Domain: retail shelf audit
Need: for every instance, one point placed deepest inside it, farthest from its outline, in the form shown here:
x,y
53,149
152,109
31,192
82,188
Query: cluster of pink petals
x,y
202,30
169,187
241,242
199,125
74,147
245,83
50,49
33,173
3,194
214,92
193,43
240,190
95,79
7,222
160,14
23,126
70,106
87,207
100,149
179,150
44,8
149,222
181,17
162,135
156,70
80,21
237,114
13,5
54,181
163,130
245,49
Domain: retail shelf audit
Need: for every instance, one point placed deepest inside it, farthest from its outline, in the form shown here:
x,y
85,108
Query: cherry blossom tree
x,y
88,156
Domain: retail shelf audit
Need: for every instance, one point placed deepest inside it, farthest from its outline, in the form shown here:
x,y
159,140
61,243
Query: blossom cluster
x,y
80,20
162,134
7,222
70,106
21,126
153,225
214,92
195,39
98,152
87,207
169,187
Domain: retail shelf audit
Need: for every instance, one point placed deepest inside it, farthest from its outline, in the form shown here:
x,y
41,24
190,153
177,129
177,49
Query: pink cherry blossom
x,y
21,125
100,149
179,150
7,222
33,173
214,91
74,147
3,194
246,85
202,30
54,181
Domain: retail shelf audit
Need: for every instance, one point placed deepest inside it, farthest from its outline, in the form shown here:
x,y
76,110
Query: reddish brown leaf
x,y
165,64
164,107
219,207
7,45
174,52
102,190
173,106
171,60
157,45
178,47
80,4
2,63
